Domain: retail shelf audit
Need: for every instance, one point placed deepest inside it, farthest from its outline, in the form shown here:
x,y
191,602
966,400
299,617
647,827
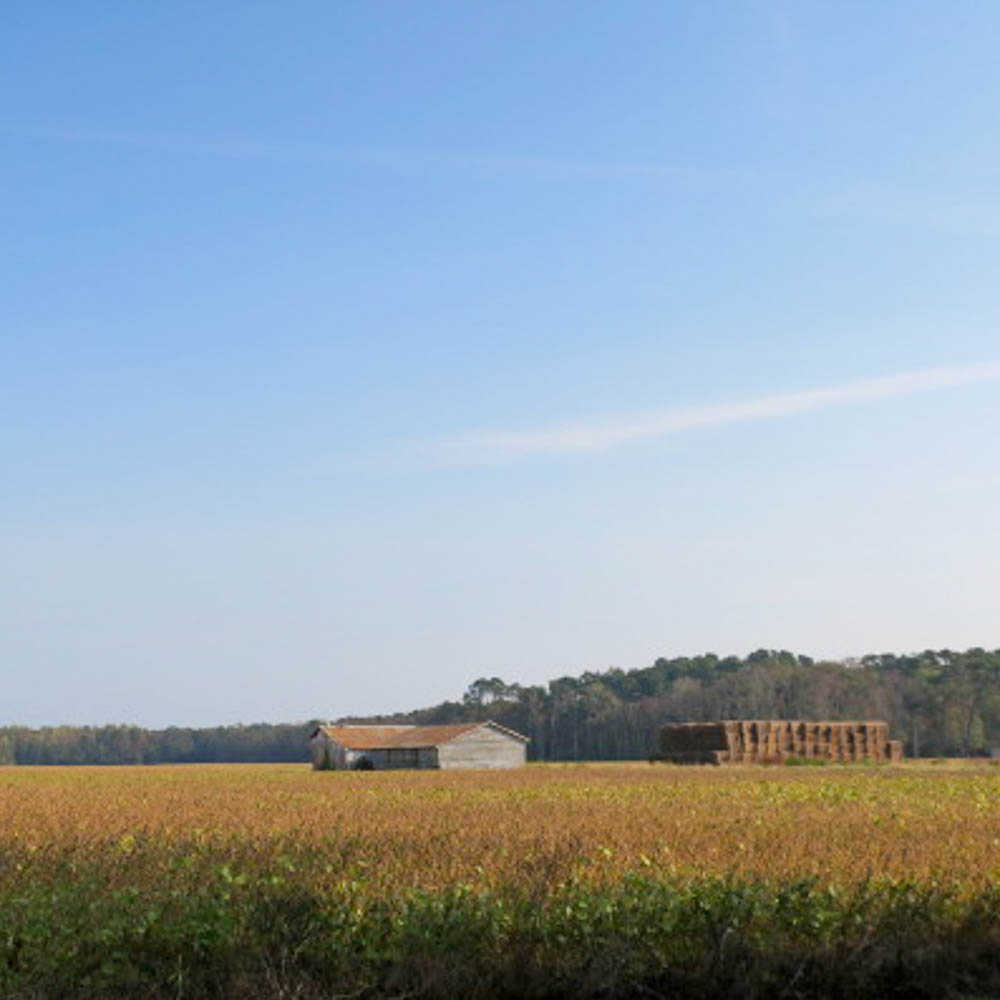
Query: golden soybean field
x,y
155,877
589,822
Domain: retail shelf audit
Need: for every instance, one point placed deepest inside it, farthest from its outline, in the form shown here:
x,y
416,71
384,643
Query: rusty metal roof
x,y
431,736
405,737
364,737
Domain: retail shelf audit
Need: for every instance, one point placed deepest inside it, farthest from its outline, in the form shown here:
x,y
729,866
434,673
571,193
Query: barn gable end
x,y
488,746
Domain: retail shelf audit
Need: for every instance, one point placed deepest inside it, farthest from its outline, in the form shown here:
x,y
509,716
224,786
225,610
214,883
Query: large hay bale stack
x,y
693,742
755,741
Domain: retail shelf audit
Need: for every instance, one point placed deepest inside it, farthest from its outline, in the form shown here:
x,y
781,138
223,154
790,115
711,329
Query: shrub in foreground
x,y
263,937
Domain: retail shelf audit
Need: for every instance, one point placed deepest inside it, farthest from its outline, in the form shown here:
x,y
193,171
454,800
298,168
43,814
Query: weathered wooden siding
x,y
320,749
485,748
329,755
398,758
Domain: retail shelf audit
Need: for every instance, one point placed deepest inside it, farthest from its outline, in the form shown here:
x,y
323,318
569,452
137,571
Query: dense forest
x,y
940,703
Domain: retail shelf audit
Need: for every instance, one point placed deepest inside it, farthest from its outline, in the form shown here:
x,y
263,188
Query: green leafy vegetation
x,y
209,932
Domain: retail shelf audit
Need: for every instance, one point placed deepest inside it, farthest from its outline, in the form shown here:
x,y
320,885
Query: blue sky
x,y
351,351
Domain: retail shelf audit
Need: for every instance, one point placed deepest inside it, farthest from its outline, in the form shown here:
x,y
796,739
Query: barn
x,y
481,745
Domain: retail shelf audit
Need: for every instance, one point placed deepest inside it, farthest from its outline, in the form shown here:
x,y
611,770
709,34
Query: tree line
x,y
135,745
939,702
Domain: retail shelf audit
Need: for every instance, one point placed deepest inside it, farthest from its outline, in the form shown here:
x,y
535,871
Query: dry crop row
x,y
591,881
544,824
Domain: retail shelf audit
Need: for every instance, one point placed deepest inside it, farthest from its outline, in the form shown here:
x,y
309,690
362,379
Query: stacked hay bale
x,y
695,743
759,741
837,747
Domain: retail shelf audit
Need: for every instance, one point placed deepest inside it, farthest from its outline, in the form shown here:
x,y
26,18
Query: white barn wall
x,y
485,747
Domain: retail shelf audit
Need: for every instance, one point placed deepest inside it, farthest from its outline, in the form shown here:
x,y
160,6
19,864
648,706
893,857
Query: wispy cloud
x,y
249,148
947,207
475,447
960,210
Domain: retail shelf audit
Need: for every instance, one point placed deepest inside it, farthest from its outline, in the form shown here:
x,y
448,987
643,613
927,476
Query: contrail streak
x,y
474,447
